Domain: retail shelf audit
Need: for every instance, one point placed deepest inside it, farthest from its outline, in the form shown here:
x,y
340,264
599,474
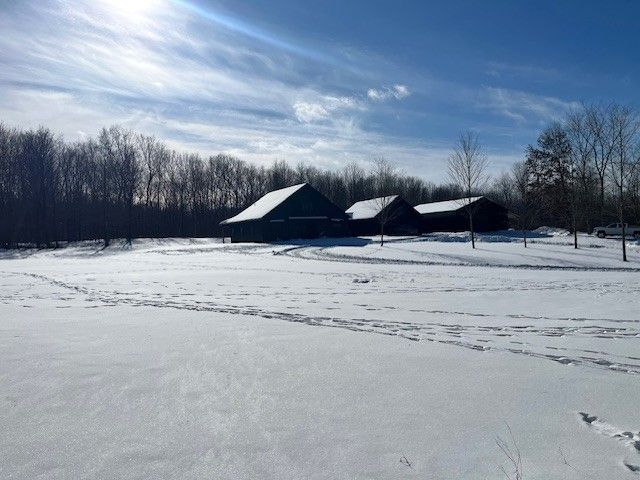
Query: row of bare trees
x,y
584,171
120,184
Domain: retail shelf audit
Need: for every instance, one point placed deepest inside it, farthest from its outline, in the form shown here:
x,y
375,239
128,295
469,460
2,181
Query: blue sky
x,y
320,82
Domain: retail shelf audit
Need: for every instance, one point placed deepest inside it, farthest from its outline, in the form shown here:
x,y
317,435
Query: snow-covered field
x,y
190,359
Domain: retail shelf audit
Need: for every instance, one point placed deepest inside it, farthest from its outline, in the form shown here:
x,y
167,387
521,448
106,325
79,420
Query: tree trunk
x,y
621,215
382,234
524,235
105,224
129,222
473,239
601,199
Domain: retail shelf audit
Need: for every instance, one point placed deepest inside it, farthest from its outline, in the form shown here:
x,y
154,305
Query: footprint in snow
x,y
633,468
361,280
628,438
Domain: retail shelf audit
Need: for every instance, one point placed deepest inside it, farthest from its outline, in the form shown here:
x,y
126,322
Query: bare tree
x,y
503,188
634,194
467,169
582,140
353,178
524,205
128,172
385,178
281,175
624,125
38,160
384,205
10,190
106,167
603,146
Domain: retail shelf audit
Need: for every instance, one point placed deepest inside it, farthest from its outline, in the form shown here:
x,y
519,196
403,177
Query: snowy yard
x,y
191,359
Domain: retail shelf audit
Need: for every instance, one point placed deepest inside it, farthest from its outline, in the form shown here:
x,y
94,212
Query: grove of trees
x,y
120,184
584,170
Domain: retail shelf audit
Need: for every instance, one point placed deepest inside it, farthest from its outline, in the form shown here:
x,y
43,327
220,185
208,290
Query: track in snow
x,y
324,254
520,339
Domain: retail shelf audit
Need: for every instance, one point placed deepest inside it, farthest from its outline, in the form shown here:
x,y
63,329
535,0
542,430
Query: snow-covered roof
x,y
264,205
446,206
369,208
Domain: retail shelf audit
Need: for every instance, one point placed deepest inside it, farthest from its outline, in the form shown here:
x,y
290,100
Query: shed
x,y
398,216
452,216
299,211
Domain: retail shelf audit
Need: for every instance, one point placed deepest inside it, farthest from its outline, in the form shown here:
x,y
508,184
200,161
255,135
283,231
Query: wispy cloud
x,y
522,71
208,82
236,25
158,73
322,109
522,106
397,91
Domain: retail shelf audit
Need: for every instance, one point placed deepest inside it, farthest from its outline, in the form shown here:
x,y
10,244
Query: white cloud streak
x,y
82,65
523,107
321,109
397,91
310,112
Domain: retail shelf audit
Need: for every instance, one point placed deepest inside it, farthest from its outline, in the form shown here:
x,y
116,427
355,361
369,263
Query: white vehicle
x,y
616,229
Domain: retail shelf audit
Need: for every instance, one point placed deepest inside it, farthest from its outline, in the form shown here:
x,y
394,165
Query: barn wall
x,y
488,217
491,217
444,222
252,231
405,221
366,227
266,231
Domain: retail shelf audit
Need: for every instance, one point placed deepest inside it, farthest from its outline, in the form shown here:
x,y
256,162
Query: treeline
x,y
121,184
584,171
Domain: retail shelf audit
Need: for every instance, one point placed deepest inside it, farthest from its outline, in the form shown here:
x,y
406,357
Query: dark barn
x,y
451,215
299,211
399,217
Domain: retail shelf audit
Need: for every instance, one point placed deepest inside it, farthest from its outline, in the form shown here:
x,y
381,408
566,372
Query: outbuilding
x,y
391,213
299,211
452,215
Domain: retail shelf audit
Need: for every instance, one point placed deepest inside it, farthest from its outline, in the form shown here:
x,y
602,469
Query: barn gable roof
x,y
264,205
446,206
367,209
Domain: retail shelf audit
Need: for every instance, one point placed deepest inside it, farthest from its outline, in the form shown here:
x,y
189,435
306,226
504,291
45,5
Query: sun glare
x,y
132,6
